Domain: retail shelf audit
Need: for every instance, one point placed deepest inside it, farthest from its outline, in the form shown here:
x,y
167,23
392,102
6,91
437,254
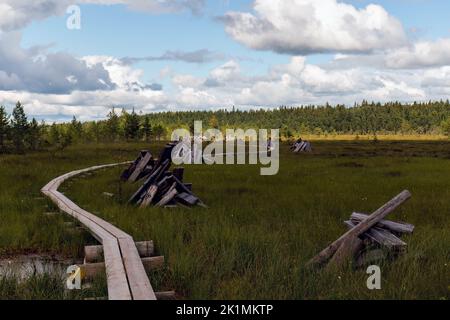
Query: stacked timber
x,y
301,146
140,168
161,187
370,238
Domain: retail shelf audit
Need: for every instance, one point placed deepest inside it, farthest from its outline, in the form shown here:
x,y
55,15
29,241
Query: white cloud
x,y
309,26
16,14
420,55
35,70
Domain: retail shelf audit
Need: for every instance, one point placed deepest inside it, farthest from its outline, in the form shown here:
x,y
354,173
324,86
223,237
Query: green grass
x,y
253,241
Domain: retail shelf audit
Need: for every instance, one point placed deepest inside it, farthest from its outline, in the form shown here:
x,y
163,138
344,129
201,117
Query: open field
x,y
258,232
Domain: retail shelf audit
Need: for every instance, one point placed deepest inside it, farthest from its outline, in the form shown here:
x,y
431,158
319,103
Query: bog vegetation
x,y
18,134
258,232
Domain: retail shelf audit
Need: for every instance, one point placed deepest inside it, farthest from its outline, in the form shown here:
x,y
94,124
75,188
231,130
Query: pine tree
x,y
4,127
19,124
131,126
146,128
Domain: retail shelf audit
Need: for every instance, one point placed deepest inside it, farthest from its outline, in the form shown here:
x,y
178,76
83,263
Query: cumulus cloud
x,y
420,55
294,83
16,14
35,70
301,27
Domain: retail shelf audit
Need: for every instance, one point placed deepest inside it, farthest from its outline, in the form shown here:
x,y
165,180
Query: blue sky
x,y
116,31
245,67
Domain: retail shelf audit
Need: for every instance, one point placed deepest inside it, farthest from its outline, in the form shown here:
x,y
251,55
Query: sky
x,y
160,55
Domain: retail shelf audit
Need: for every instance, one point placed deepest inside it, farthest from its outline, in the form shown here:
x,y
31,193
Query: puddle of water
x,y
24,267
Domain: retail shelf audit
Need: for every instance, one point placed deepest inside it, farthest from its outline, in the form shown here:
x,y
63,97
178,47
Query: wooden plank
x,y
168,196
92,270
148,198
348,249
158,171
127,172
365,225
94,254
381,236
187,198
166,295
398,227
140,286
126,277
140,167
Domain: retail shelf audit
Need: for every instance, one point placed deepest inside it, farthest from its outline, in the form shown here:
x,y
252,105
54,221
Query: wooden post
x,y
365,225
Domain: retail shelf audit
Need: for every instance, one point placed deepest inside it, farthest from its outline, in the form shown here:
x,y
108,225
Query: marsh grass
x,y
258,232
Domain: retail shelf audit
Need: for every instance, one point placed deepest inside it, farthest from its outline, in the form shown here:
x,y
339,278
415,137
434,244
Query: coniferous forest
x,y
19,134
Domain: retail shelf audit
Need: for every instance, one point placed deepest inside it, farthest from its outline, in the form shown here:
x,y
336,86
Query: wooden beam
x,y
140,286
398,227
348,249
140,167
381,236
92,270
93,254
365,225
166,295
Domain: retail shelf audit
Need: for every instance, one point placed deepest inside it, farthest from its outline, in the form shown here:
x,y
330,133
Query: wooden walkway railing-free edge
x,y
125,273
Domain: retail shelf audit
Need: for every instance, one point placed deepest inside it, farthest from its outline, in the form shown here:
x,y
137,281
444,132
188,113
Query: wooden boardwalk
x,y
125,273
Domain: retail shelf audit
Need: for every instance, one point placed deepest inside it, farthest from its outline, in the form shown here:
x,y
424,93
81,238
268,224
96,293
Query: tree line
x,y
18,134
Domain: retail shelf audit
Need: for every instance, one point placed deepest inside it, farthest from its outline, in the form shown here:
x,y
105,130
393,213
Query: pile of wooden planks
x,y
368,239
140,168
161,188
301,146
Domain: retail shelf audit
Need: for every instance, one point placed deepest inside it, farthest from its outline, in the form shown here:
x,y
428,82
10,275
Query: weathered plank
x,y
150,195
142,165
94,269
187,198
140,286
365,225
398,227
348,249
94,254
168,196
381,236
126,276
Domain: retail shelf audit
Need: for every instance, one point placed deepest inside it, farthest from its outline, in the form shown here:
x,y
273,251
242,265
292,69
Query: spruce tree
x,y
19,124
132,126
4,127
146,128
112,125
34,135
